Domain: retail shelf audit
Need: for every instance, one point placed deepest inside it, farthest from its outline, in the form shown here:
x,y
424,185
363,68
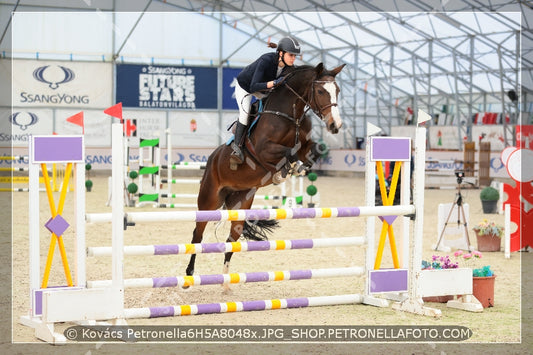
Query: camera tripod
x,y
460,214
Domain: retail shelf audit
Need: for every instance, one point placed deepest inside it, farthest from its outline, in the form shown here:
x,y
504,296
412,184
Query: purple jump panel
x,y
388,280
390,149
55,149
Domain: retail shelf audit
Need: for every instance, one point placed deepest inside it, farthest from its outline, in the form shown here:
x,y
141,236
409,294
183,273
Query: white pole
x,y
141,163
79,216
241,215
418,201
370,200
169,165
507,230
405,199
33,220
117,205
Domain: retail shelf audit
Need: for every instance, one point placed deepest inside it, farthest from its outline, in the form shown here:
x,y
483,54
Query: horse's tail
x,y
258,229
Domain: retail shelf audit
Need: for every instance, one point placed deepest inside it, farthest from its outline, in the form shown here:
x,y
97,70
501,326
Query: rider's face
x,y
289,58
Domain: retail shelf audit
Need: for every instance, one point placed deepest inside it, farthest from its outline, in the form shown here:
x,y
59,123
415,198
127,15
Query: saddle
x,y
253,117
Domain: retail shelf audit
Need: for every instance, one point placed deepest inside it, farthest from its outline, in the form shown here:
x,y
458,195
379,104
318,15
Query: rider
x,y
262,74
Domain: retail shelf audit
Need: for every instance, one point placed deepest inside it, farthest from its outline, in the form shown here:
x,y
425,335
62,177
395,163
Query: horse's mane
x,y
294,70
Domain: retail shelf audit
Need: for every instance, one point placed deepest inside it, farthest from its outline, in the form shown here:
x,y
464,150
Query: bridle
x,y
311,105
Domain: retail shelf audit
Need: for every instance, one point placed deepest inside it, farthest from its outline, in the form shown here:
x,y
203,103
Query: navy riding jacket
x,y
255,76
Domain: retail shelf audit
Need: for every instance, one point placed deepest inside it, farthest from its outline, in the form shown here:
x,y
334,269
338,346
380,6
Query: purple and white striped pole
x,y
227,307
232,278
255,214
202,248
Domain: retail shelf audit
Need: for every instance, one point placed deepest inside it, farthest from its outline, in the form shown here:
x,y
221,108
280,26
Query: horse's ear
x,y
338,69
319,69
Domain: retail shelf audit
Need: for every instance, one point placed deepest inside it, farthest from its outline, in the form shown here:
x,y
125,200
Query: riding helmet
x,y
289,45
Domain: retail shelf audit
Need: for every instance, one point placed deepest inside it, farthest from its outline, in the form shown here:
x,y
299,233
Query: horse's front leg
x,y
279,158
310,155
209,198
236,200
197,236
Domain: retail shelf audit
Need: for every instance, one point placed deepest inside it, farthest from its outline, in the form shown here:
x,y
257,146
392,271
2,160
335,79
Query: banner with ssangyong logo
x,y
61,84
167,87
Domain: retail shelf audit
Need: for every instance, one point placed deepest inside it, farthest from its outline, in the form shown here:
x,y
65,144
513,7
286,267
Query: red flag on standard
x,y
115,111
77,119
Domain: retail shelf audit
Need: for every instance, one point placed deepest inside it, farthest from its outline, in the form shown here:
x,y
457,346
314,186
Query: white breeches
x,y
244,101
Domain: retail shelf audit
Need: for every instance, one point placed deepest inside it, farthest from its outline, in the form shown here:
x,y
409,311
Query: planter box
x,y
484,290
489,206
445,282
488,242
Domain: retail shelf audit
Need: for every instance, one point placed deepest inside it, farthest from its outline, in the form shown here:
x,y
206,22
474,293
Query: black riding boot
x,y
237,156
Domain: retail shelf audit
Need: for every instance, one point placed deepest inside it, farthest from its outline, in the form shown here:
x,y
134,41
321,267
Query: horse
x,y
278,144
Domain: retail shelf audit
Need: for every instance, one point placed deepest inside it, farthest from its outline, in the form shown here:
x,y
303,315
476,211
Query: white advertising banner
x,y
25,122
337,160
444,137
489,133
194,128
40,83
96,130
148,125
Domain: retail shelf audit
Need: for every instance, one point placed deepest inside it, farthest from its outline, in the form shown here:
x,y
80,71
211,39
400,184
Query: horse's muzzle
x,y
333,128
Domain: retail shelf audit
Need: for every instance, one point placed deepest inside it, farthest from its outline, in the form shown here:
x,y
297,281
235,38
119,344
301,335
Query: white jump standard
x,y
404,283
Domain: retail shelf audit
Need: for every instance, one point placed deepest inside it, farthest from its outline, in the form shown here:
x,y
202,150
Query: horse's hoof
x,y
277,178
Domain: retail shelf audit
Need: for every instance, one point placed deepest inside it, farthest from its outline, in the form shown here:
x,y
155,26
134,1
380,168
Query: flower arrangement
x,y
469,259
439,263
489,228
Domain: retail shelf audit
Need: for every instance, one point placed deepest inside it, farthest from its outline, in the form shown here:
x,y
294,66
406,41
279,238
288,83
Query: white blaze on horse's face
x,y
331,88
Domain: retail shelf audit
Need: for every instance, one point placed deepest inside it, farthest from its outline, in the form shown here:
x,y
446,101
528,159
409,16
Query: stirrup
x,y
236,157
278,178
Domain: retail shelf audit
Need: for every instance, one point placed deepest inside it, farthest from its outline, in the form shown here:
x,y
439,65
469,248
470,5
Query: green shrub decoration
x,y
312,176
88,167
323,149
311,190
489,194
88,184
132,188
133,175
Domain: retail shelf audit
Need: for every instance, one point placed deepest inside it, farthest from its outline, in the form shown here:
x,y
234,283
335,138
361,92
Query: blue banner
x,y
154,86
229,79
